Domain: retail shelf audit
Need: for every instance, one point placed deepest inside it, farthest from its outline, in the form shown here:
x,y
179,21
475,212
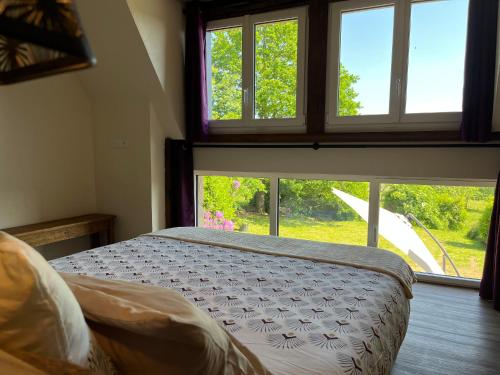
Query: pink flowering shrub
x,y
217,221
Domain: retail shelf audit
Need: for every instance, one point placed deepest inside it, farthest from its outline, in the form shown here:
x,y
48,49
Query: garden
x,y
458,216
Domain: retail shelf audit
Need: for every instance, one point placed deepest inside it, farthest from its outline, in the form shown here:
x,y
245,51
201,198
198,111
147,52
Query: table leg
x,y
95,240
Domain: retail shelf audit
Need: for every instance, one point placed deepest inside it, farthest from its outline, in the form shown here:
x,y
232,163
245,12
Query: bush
x,y
315,198
229,195
437,207
480,230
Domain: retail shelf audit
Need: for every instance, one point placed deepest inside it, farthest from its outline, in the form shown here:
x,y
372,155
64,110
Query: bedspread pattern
x,y
298,316
366,257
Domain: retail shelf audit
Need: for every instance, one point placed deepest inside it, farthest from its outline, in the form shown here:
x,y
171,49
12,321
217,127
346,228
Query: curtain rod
x,y
317,146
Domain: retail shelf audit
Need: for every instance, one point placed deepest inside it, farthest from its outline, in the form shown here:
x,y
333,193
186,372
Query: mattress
x,y
301,307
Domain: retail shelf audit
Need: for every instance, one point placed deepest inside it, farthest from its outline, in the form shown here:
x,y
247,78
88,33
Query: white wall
x,y
46,151
411,163
136,91
46,155
123,174
161,26
157,151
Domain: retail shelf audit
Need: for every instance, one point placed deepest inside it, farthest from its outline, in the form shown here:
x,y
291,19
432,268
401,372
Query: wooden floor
x,y
451,332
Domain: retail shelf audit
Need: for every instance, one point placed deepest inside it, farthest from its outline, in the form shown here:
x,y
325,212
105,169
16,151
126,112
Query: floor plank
x,y
451,331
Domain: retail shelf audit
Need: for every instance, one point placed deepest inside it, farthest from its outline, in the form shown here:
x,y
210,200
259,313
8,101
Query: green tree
x,y
226,70
348,105
230,195
437,207
315,198
276,69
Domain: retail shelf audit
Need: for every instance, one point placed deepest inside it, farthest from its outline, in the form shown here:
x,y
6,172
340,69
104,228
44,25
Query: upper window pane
x,y
436,56
276,69
365,61
224,73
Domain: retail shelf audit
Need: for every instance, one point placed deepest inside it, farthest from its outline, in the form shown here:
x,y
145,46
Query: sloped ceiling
x,y
124,66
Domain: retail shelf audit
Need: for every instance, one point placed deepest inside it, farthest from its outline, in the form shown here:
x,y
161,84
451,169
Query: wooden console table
x,y
99,227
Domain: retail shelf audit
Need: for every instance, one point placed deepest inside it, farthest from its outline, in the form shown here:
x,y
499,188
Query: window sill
x,y
394,127
337,137
238,129
462,282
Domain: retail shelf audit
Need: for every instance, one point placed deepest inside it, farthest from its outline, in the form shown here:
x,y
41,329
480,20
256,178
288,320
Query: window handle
x,y
245,96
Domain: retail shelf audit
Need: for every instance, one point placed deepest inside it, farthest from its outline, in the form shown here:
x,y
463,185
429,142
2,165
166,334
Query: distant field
x,y
467,254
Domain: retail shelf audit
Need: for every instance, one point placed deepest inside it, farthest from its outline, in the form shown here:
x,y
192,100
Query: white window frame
x,y
249,124
374,204
396,119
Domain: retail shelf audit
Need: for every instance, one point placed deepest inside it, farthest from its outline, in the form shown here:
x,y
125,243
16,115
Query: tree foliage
x,y
481,229
226,74
315,198
437,207
276,69
347,105
230,195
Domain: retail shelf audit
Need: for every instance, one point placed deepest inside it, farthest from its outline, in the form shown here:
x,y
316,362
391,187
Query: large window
x,y
396,64
439,228
255,72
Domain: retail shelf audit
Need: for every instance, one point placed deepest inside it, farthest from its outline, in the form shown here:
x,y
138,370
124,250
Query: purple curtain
x,y
490,283
195,75
179,181
480,62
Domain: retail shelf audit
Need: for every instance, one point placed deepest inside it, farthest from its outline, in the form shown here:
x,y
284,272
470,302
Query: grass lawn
x,y
467,254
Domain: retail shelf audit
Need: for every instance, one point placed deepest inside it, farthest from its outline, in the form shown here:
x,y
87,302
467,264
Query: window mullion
x,y
398,60
333,64
200,193
373,213
274,206
404,17
248,68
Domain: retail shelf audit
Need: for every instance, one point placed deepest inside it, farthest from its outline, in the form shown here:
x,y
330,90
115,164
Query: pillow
x,y
38,312
10,364
153,330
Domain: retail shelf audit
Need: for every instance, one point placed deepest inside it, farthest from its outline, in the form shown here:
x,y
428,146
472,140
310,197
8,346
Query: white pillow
x,y
39,313
151,330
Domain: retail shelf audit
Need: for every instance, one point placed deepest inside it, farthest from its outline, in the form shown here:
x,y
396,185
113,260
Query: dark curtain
x,y
180,204
179,181
195,75
490,283
480,63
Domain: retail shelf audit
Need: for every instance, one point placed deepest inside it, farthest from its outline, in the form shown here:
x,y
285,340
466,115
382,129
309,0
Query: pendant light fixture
x,y
40,38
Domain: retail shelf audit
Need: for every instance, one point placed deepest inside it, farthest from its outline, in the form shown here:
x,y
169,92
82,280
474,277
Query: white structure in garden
x,y
396,229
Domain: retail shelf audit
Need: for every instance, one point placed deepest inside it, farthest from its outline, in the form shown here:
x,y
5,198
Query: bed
x,y
302,307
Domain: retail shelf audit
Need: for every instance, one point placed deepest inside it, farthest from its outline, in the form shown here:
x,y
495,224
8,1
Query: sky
x,y
436,55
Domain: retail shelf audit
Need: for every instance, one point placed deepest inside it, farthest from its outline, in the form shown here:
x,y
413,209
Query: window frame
x,y
374,204
396,119
249,124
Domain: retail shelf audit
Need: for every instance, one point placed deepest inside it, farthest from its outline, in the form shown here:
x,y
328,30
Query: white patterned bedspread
x,y
298,316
